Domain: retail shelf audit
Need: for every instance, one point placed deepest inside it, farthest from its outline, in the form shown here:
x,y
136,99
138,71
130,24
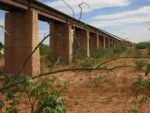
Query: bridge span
x,y
67,35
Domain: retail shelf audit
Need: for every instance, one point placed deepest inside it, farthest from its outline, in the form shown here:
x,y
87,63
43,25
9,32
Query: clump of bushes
x,y
134,110
89,62
43,97
119,50
78,55
44,50
141,84
108,52
142,45
99,53
140,64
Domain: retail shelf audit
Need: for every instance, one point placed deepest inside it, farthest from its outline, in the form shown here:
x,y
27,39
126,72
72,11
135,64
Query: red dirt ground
x,y
115,96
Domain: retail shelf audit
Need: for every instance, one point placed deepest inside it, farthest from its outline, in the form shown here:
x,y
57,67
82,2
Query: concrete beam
x,y
47,13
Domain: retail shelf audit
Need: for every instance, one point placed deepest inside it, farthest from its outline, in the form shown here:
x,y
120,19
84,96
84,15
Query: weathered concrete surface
x,y
61,41
93,42
101,41
107,43
22,37
81,42
98,41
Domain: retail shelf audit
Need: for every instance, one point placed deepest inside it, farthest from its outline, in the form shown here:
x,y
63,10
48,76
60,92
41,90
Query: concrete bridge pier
x,y
98,41
104,41
118,43
61,41
111,42
107,43
20,41
114,42
93,42
81,42
101,41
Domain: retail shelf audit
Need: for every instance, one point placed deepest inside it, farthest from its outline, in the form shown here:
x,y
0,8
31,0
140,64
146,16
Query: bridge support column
x,y
114,42
20,41
109,42
93,42
102,41
106,42
87,43
81,42
97,40
117,43
61,41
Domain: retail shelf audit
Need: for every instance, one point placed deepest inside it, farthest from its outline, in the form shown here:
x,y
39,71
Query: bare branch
x,y
73,14
81,10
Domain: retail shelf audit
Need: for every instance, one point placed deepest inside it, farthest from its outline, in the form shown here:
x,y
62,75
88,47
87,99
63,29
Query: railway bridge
x,y
21,23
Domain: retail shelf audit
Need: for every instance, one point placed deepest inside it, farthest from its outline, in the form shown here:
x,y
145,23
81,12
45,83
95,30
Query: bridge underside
x,y
66,39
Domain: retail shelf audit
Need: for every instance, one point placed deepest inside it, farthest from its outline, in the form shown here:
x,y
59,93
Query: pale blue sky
x,y
128,19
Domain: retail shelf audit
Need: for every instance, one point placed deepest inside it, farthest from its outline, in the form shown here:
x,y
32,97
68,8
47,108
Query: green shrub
x,y
44,93
140,85
12,110
119,50
99,53
53,103
141,45
130,52
44,50
88,62
140,64
78,55
134,110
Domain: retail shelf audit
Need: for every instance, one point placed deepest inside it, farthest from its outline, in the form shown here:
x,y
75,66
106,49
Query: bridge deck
x,y
49,14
